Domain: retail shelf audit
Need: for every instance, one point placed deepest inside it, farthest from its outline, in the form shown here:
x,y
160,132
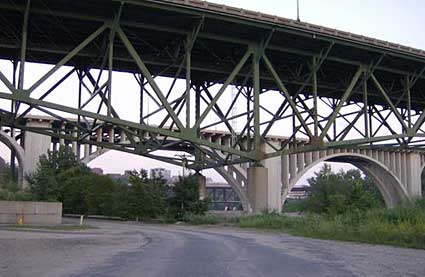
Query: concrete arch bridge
x,y
397,173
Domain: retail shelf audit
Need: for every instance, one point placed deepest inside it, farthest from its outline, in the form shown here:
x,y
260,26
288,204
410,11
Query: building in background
x,y
222,197
160,172
298,193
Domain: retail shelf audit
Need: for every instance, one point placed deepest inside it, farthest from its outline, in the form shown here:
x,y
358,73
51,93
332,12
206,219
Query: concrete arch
x,y
226,174
12,144
388,184
240,191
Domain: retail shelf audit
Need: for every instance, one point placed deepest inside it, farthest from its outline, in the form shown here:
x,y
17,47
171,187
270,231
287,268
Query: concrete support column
x,y
414,182
61,140
404,169
274,184
86,151
111,135
398,166
308,157
285,174
315,155
123,136
75,145
292,166
35,145
392,161
202,184
300,162
258,188
99,135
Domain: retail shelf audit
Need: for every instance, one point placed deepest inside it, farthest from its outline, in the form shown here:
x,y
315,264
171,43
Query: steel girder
x,y
321,121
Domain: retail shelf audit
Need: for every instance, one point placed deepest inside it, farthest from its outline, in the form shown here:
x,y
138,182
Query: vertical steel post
x,y
315,115
142,92
188,58
110,68
197,116
409,103
256,82
334,122
24,46
366,106
12,130
248,121
80,90
197,102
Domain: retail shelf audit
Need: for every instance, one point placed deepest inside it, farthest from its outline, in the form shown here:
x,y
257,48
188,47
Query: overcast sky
x,y
399,21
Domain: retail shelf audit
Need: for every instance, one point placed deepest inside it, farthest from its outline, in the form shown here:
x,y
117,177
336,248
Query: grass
x,y
207,219
52,227
402,226
294,206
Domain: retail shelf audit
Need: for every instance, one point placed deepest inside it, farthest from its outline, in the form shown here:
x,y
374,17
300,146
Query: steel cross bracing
x,y
327,91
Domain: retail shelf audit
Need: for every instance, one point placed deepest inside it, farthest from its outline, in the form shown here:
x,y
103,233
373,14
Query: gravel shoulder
x,y
129,249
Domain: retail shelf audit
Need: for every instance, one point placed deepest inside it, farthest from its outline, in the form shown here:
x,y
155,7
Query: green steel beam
x,y
288,97
232,75
342,101
69,56
20,96
142,67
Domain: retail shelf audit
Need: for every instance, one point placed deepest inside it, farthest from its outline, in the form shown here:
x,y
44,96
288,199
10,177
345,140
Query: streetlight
x,y
298,10
184,163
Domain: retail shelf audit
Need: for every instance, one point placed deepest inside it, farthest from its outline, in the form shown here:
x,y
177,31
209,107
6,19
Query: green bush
x,y
294,206
9,189
60,177
145,198
337,193
185,198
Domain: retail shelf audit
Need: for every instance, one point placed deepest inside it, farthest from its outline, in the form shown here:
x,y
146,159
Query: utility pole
x,y
298,10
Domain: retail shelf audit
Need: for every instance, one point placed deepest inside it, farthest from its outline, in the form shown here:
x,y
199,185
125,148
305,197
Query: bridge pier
x,y
202,185
414,172
264,186
258,188
35,145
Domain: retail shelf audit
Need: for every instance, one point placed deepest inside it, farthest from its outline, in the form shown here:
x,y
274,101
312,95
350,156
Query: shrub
x,y
185,198
337,193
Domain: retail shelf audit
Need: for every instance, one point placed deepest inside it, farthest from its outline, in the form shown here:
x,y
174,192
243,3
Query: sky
x,y
399,21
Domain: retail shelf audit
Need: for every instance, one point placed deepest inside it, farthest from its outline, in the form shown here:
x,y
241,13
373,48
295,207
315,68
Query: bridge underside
x,y
297,87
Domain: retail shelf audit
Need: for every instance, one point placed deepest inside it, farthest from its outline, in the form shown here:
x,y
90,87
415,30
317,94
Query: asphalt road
x,y
122,249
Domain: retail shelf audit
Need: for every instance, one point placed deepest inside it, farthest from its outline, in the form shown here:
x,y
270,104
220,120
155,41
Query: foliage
x,y
201,219
11,195
46,183
337,193
294,206
9,189
403,225
60,177
186,198
145,198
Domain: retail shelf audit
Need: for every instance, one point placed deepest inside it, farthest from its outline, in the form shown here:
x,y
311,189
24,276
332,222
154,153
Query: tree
x,y
47,182
146,198
186,198
336,193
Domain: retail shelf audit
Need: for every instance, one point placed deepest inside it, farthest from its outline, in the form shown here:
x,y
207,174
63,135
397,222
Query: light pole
x,y
184,163
298,10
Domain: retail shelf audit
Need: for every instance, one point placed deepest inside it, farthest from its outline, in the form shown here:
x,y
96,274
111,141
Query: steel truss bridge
x,y
330,88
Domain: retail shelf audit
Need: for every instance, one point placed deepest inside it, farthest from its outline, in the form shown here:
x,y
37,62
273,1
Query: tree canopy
x,y
336,193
